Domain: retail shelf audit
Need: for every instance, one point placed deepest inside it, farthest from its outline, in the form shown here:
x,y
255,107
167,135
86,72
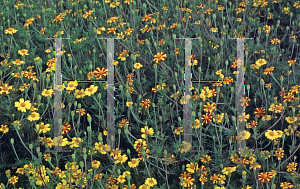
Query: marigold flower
x,y
265,176
10,31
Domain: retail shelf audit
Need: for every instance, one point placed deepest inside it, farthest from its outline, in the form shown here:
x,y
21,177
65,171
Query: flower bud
x,y
79,105
30,146
88,128
12,141
81,164
244,174
75,104
89,118
248,87
72,113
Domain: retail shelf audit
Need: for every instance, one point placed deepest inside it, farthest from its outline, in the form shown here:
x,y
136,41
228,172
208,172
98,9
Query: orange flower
x,y
268,70
292,62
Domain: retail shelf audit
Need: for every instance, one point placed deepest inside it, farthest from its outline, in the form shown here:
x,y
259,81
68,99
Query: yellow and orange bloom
x,y
100,73
159,57
275,41
268,70
13,180
145,103
23,105
260,112
260,62
271,134
265,176
23,52
10,31
207,117
34,116
5,89
42,128
4,128
87,14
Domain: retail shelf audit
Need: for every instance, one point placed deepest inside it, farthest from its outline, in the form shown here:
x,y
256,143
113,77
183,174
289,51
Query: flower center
x,y
265,176
79,93
42,126
228,169
23,104
33,115
90,89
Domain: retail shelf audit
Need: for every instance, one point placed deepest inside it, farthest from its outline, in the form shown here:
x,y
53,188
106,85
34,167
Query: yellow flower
x,y
10,31
121,159
72,85
129,103
275,41
133,163
42,127
286,10
146,131
22,106
228,170
23,52
91,90
60,141
151,182
87,14
186,146
34,116
48,51
191,167
79,93
46,92
291,119
13,180
271,134
244,135
138,65
214,30
4,128
260,62
96,164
